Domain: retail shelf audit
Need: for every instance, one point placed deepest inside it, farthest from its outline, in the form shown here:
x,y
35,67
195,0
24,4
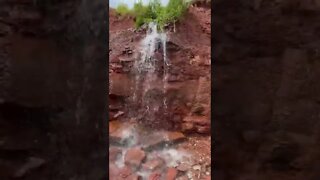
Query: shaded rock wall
x,y
266,110
53,89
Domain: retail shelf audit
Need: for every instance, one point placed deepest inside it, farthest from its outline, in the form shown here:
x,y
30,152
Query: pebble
x,y
196,167
183,167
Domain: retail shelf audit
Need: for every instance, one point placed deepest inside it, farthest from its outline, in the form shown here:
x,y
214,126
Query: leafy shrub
x,y
123,9
155,12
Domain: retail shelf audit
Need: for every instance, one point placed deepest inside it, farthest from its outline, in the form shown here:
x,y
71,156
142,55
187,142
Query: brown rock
x,y
203,129
113,126
204,91
183,167
197,109
125,171
113,171
114,153
171,174
117,136
183,178
187,127
120,84
126,59
173,78
153,164
198,120
134,177
155,176
162,138
134,156
175,136
153,141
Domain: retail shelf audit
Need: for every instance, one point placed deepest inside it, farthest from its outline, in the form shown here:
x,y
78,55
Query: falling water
x,y
147,69
150,72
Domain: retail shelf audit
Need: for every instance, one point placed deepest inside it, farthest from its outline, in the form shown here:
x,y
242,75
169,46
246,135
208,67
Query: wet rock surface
x,y
188,76
172,160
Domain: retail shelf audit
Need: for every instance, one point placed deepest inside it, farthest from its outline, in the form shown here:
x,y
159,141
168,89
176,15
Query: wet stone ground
x,y
137,153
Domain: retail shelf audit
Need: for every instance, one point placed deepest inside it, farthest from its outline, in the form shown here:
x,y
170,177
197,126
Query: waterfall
x,y
148,68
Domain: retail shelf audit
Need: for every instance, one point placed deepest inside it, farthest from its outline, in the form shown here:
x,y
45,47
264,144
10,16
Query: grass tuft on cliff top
x,y
155,12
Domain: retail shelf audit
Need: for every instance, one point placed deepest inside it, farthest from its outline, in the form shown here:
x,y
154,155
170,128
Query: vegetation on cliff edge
x,y
155,12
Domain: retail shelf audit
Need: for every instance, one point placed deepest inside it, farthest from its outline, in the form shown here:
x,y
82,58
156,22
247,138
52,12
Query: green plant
x,y
154,12
123,9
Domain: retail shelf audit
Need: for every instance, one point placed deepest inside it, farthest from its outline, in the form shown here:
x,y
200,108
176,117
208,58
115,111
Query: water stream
x,y
151,74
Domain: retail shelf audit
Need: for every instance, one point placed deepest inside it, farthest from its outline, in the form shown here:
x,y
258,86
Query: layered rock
x,y
188,83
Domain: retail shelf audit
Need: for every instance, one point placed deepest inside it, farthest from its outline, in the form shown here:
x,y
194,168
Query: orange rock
x,y
171,174
155,176
134,156
175,136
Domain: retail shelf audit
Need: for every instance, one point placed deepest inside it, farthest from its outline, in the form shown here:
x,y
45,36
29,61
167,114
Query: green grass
x,y
122,9
154,12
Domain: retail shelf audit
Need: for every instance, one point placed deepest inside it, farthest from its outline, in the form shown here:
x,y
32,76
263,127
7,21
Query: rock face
x,y
188,90
266,103
52,89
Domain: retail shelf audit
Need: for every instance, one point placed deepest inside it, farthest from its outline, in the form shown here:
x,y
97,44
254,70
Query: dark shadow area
x,y
53,90
266,90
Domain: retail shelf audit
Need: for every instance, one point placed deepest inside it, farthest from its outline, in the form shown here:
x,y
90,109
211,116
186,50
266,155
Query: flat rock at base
x,y
162,138
119,133
153,142
153,164
134,156
171,174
